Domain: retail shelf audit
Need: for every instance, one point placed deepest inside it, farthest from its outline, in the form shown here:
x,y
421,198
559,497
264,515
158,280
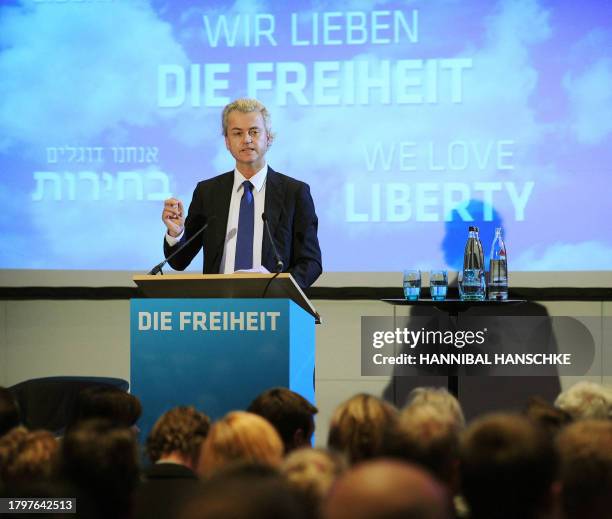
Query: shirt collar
x,y
258,179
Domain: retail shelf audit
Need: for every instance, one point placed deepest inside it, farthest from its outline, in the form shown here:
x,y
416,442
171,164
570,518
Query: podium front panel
x,y
217,354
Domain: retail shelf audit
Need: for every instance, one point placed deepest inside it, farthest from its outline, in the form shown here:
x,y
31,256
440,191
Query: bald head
x,y
386,489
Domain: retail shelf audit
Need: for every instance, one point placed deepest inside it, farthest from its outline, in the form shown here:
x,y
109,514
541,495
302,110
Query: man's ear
x,y
299,438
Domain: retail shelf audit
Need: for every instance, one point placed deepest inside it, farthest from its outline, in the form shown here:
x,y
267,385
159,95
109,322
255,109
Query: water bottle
x,y
498,269
472,286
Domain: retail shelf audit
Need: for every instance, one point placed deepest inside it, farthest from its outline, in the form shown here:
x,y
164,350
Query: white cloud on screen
x,y
590,97
566,256
116,48
501,69
17,251
325,145
250,6
196,127
330,140
76,70
100,231
353,5
194,21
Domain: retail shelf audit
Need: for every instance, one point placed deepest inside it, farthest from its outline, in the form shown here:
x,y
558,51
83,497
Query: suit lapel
x,y
273,208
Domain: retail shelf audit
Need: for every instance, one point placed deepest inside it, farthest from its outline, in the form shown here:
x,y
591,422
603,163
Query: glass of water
x,y
412,284
472,285
438,284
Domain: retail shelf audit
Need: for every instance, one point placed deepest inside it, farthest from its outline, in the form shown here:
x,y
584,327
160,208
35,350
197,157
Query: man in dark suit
x,y
233,204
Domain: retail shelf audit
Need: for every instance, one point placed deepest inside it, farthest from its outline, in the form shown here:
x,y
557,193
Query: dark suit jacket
x,y
165,489
291,216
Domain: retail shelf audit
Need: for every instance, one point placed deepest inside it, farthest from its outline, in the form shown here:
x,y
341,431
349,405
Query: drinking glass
x,y
472,285
438,284
412,284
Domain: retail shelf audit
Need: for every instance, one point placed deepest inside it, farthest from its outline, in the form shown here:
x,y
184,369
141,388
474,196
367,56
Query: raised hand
x,y
173,216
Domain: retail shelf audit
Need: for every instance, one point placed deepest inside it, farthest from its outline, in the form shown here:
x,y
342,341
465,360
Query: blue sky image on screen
x,y
409,120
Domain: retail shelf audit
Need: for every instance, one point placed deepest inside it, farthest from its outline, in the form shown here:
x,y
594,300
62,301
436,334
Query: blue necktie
x,y
246,224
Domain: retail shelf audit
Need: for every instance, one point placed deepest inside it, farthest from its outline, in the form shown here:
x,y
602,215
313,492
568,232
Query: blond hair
x,y
429,436
586,400
358,426
247,105
240,437
313,472
439,398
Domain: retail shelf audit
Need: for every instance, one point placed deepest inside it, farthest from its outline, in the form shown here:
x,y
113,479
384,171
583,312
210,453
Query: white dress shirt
x,y
231,233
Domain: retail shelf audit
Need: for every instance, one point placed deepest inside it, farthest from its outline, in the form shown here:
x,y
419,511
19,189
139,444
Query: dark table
x,y
453,307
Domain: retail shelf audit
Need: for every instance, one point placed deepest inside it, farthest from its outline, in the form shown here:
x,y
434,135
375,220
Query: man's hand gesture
x,y
173,216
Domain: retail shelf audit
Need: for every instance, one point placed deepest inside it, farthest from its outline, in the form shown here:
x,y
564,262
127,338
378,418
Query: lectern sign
x,y
186,321
217,354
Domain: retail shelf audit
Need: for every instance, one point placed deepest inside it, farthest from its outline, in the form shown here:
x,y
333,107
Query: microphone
x,y
279,261
158,268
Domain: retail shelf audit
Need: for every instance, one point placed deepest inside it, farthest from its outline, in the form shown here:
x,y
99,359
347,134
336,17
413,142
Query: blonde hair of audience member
x,y
439,398
178,435
358,426
312,472
585,448
586,400
240,437
427,435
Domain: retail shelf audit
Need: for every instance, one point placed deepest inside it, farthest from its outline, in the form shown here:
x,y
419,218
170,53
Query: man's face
x,y
247,140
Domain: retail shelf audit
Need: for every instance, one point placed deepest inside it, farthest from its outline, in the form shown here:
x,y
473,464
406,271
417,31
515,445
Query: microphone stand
x,y
158,268
279,261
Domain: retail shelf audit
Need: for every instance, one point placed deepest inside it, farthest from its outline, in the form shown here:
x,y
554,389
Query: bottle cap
x,y
473,228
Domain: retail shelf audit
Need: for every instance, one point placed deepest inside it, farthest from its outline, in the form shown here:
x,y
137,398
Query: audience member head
x,y
9,411
10,444
358,425
101,460
550,418
586,400
386,489
34,460
439,398
585,448
312,472
240,437
508,468
177,436
245,492
107,403
426,435
289,412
